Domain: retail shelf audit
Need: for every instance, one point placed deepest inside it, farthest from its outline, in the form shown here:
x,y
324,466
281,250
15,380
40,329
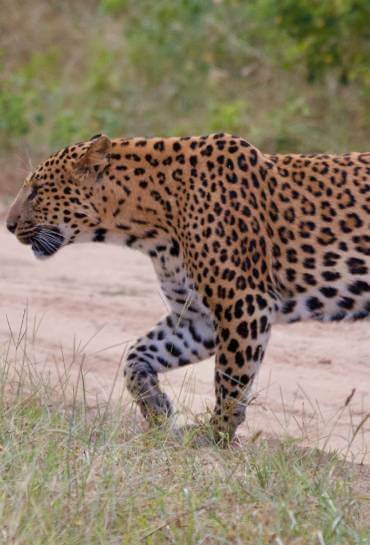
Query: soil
x,y
86,304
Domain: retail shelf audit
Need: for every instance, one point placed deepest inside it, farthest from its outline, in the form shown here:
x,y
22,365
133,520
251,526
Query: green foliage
x,y
288,75
328,36
228,115
13,109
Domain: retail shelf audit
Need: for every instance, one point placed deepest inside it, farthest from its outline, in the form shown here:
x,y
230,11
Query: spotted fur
x,y
239,239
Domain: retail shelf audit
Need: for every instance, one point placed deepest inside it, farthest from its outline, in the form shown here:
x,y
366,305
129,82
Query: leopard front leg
x,y
243,330
175,341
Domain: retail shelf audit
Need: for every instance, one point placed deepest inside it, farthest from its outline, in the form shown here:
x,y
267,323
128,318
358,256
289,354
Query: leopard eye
x,y
33,193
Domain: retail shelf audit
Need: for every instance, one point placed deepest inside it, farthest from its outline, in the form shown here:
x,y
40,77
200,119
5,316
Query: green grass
x,y
74,475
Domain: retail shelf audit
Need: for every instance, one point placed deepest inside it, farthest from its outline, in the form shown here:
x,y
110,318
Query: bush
x,y
286,75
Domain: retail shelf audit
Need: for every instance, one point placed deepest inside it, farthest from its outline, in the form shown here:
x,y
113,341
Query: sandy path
x,y
110,295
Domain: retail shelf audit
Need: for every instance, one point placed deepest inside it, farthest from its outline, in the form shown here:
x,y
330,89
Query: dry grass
x,y
72,474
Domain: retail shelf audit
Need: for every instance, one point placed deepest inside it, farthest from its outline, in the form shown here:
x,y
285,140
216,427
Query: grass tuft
x,y
70,474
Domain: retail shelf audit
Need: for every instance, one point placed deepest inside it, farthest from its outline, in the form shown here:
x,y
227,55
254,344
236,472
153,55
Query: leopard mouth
x,y
46,242
26,235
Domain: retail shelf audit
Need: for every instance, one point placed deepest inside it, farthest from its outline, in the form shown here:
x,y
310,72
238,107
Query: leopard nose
x,y
11,226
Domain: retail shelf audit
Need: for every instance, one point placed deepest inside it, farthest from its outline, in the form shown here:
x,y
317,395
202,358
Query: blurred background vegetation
x,y
286,74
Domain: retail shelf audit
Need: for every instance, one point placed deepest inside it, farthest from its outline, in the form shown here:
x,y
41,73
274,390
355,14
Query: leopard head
x,y
58,203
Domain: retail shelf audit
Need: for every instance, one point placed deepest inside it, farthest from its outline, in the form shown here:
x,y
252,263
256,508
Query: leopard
x,y
239,239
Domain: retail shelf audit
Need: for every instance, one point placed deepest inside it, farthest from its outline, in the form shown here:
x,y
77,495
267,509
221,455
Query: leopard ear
x,y
95,156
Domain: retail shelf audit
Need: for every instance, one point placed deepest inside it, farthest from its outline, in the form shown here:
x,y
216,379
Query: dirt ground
x,y
89,301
